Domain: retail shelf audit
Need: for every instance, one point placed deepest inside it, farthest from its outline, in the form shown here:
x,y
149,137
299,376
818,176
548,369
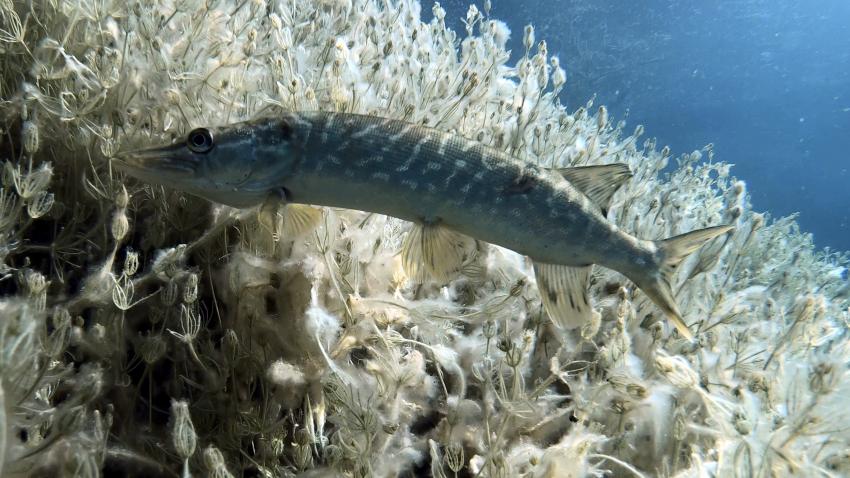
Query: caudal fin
x,y
657,284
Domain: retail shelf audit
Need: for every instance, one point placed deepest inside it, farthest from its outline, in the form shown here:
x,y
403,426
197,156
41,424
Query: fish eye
x,y
200,140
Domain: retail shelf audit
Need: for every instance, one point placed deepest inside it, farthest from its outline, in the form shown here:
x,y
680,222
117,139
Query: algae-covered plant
x,y
146,332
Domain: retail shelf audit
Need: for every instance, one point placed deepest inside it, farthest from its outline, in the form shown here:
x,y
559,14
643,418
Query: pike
x,y
450,187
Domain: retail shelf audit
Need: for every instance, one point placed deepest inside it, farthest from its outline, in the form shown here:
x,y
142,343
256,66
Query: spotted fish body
x,y
423,175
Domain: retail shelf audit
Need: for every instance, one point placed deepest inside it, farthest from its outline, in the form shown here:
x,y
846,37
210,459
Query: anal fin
x,y
433,251
563,291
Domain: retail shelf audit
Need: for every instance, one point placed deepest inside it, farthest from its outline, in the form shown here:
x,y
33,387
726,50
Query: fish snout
x,y
156,164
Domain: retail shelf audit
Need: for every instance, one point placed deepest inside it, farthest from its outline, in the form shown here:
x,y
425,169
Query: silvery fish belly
x,y
450,187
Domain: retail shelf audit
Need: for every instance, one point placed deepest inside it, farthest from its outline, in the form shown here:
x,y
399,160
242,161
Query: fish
x,y
450,187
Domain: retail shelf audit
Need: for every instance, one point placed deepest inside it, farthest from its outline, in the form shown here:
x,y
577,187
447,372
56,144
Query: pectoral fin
x,y
563,291
287,220
299,219
598,183
434,251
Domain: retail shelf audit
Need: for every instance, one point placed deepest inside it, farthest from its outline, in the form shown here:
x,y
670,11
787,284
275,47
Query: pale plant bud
x,y
488,5
293,86
214,461
131,263
190,324
10,174
739,188
657,331
580,113
677,370
602,118
35,282
277,444
489,329
120,225
152,349
230,346
735,213
122,292
8,209
741,423
665,151
30,137
770,308
679,428
638,131
438,11
40,204
60,337
303,457
637,390
277,23
168,294
249,47
97,335
591,327
559,77
654,203
172,96
542,51
122,198
33,182
825,378
528,37
807,310
513,355
454,457
286,375
471,17
190,289
108,147
542,76
182,430
758,221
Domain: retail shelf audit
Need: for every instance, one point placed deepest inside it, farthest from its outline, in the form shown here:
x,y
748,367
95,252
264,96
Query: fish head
x,y
237,165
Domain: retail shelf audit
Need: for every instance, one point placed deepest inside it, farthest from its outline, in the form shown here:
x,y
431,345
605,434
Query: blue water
x,y
766,81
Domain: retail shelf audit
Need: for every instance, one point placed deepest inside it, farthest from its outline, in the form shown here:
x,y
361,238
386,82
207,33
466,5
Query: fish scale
x,y
447,185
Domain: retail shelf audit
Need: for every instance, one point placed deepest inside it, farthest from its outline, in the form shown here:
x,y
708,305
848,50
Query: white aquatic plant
x,y
146,331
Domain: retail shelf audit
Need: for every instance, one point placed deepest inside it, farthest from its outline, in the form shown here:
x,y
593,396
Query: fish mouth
x,y
156,165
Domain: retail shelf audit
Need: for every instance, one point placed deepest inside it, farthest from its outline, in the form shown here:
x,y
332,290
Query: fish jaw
x,y
161,166
158,166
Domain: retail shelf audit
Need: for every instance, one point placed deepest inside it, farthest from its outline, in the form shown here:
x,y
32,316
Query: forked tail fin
x,y
656,283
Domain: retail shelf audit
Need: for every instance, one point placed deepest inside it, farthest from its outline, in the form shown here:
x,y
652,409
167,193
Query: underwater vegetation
x,y
147,332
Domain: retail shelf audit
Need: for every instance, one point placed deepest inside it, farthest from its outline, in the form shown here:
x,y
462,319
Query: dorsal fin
x,y
598,183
